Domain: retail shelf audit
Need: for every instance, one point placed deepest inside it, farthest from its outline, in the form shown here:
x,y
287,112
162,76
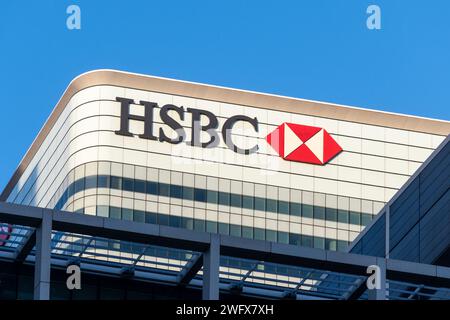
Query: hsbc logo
x,y
293,142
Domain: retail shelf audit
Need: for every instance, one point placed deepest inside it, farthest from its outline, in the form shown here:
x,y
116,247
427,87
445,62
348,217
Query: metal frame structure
x,y
324,274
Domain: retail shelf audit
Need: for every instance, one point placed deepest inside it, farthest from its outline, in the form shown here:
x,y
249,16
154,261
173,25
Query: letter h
x,y
125,116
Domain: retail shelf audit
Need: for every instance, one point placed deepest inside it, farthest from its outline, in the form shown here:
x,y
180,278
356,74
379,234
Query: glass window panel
x,y
224,198
295,239
174,221
355,217
331,214
116,183
307,241
260,234
247,202
247,232
128,184
91,182
271,235
163,219
79,185
115,213
139,186
103,181
152,187
139,216
319,243
199,225
188,223
307,210
200,195
127,214
150,217
319,212
271,205
224,228
103,211
343,216
295,209
330,244
283,237
176,191
188,193
235,200
260,204
235,230
365,219
211,226
164,189
283,207
212,196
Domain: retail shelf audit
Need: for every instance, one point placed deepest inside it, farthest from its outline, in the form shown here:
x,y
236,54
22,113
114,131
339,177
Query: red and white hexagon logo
x,y
295,142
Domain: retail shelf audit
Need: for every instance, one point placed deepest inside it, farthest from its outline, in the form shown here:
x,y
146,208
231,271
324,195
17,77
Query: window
x,y
199,225
224,228
331,245
91,182
212,196
307,241
79,185
365,219
139,216
247,232
188,223
235,200
164,189
307,210
319,243
295,239
152,187
342,216
188,193
295,209
174,221
200,195
331,214
283,237
260,234
235,230
115,213
260,204
176,191
271,235
150,217
272,205
211,226
116,183
319,212
103,181
163,219
128,184
127,214
224,198
355,218
139,186
283,207
247,202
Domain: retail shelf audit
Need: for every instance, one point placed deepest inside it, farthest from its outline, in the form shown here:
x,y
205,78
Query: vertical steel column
x,y
42,263
380,293
211,264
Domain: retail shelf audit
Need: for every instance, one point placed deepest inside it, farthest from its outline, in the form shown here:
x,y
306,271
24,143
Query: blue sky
x,y
312,49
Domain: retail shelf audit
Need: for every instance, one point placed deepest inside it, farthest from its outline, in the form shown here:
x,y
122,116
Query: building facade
x,y
415,224
220,160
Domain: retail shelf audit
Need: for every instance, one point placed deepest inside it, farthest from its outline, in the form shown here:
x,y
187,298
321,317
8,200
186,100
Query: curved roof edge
x,y
226,95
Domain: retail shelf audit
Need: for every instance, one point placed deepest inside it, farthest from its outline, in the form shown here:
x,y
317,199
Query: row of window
x,y
214,197
219,227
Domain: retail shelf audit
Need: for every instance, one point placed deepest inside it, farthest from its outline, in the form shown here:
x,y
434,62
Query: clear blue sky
x,y
313,49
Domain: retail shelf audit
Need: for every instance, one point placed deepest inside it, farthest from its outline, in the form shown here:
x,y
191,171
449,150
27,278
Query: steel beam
x,y
191,268
211,265
43,258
